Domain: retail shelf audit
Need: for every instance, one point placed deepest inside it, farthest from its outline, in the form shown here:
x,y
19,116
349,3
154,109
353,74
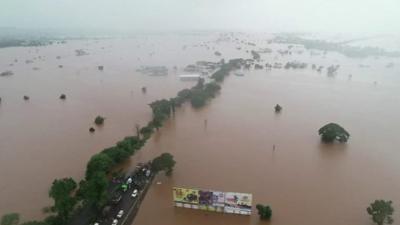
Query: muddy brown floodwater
x,y
305,182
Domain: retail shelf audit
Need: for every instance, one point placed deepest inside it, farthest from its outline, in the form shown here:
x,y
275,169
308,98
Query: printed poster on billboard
x,y
186,196
215,201
238,203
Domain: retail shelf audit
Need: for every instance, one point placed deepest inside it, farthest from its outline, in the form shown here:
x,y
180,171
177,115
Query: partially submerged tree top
x,y
332,131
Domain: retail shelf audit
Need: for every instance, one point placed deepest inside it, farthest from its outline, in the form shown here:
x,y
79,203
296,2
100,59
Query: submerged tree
x,y
99,120
94,190
10,219
64,201
332,132
278,108
164,162
63,96
381,212
264,211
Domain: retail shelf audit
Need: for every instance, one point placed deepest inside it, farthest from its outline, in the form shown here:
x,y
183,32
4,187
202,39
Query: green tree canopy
x,y
198,99
10,219
99,120
332,131
278,108
164,162
94,190
381,212
61,191
185,93
98,163
264,211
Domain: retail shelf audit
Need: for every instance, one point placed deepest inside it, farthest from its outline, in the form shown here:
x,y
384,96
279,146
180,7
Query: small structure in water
x,y
91,130
186,77
26,98
144,89
153,70
101,68
239,74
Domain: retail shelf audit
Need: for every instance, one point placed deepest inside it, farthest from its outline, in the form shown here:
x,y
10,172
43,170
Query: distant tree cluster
x,y
295,65
342,47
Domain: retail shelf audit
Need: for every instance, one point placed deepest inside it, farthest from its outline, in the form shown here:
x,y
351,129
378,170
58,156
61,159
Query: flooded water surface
x,y
305,182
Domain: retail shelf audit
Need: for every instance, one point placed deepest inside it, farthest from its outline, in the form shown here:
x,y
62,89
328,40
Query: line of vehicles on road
x,y
122,199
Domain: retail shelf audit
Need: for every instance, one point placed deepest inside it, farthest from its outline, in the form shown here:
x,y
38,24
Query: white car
x,y
134,193
96,223
115,222
120,213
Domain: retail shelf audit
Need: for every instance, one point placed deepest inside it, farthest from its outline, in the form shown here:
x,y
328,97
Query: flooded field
x,y
304,181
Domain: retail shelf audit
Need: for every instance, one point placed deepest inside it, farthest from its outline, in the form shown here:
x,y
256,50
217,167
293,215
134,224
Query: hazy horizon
x,y
340,16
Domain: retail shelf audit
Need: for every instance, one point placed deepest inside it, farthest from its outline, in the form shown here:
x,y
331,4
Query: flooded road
x,y
303,180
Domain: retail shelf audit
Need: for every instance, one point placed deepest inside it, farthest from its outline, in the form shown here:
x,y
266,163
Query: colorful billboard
x,y
186,197
238,203
216,201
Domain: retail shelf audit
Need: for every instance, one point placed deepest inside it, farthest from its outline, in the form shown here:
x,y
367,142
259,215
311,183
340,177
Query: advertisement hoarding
x,y
215,201
186,197
238,203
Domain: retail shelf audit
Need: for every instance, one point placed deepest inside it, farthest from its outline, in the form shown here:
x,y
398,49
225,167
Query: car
x,y
134,193
148,172
116,198
96,223
120,213
114,222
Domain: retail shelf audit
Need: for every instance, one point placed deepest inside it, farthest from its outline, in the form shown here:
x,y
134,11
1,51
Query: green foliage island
x,y
332,131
